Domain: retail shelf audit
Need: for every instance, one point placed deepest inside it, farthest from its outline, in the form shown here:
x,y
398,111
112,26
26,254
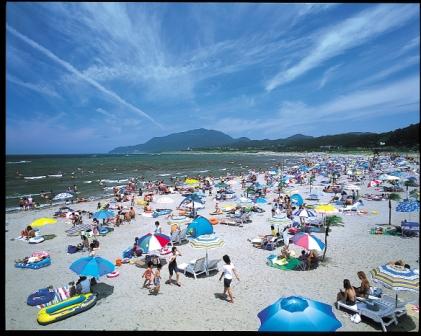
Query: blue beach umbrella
x,y
103,214
408,206
297,313
297,199
92,266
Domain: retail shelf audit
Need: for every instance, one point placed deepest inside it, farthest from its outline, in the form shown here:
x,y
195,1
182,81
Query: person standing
x,y
228,271
172,267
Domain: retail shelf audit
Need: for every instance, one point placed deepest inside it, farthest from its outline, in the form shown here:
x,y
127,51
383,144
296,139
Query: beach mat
x,y
76,229
292,263
61,294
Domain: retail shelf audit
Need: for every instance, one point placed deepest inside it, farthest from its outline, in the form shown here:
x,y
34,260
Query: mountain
x,y
203,139
181,141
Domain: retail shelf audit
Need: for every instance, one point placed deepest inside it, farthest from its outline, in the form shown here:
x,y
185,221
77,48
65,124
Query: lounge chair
x,y
212,265
399,308
410,229
372,309
195,267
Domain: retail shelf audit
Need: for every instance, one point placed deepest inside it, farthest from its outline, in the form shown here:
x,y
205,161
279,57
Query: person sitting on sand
x,y
364,288
349,295
84,245
148,275
312,258
29,232
83,285
285,252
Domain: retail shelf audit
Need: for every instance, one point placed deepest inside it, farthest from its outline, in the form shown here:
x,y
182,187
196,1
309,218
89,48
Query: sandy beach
x,y
196,304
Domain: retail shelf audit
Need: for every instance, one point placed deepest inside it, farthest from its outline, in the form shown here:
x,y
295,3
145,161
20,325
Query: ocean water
x,y
86,171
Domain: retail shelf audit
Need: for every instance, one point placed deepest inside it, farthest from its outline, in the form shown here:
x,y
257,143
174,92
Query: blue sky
x,y
88,77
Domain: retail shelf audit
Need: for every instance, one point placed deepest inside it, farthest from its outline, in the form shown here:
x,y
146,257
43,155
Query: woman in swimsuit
x,y
349,295
172,266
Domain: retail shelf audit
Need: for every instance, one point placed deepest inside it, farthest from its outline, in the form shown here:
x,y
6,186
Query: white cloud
x,y
40,88
352,32
327,75
76,72
379,101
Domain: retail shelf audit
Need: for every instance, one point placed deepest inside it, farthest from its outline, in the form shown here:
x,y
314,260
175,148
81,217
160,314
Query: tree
x,y
415,194
330,221
392,197
409,183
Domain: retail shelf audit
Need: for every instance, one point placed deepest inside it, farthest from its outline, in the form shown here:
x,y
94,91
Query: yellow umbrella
x,y
43,221
326,209
191,181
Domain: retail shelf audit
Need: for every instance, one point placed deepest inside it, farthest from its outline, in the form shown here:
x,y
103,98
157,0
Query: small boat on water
x,y
55,175
34,177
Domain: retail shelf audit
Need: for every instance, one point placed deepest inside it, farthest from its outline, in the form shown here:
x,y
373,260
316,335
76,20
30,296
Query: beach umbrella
x,y
308,241
408,206
94,266
374,183
62,196
298,313
297,199
103,214
396,277
191,181
304,213
164,200
153,242
43,221
327,209
207,242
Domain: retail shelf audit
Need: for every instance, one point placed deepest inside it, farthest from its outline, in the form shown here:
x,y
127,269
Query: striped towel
x,y
61,294
76,229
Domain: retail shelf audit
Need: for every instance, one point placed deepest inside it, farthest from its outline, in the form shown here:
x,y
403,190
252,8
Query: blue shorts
x,y
227,282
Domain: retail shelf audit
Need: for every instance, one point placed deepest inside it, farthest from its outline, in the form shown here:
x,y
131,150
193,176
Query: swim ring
x,y
113,274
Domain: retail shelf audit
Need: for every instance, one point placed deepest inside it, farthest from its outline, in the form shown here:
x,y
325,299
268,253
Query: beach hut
x,y
199,226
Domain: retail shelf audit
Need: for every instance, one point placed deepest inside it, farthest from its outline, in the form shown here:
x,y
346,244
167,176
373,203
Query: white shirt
x,y
228,271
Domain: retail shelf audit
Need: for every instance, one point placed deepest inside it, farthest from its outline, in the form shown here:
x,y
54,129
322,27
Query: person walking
x,y
172,267
227,273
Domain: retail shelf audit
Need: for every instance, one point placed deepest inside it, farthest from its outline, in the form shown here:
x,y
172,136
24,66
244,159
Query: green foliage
x,y
394,197
334,221
415,194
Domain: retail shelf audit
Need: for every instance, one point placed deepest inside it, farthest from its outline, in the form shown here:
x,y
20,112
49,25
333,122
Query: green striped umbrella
x,y
396,277
207,242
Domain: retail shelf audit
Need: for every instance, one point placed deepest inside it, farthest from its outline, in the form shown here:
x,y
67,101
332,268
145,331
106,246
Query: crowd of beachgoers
x,y
304,230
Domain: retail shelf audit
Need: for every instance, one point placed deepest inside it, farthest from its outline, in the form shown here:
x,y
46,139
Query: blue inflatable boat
x,y
36,265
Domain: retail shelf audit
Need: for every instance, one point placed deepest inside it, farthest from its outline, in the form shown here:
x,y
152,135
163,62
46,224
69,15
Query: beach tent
x,y
199,226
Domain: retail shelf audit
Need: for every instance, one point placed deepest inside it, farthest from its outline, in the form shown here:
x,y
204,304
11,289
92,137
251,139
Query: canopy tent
x,y
199,226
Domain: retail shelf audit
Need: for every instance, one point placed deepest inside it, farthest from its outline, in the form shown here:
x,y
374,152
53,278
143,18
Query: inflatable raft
x,y
34,265
66,308
161,212
41,296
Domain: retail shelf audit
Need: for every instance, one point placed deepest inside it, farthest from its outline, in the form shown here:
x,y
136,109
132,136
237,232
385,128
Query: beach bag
x,y
375,291
118,262
72,249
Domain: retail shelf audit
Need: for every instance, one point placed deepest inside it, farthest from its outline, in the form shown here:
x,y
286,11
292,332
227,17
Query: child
x,y
156,280
148,275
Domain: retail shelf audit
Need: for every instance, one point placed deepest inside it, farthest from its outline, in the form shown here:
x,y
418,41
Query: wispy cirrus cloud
x,y
43,89
328,74
381,101
73,70
352,32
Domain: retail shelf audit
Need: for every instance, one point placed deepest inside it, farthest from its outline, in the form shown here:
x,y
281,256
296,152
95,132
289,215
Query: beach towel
x,y
274,262
61,294
76,229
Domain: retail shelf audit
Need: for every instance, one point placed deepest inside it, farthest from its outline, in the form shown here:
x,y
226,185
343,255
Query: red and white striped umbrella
x,y
374,183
